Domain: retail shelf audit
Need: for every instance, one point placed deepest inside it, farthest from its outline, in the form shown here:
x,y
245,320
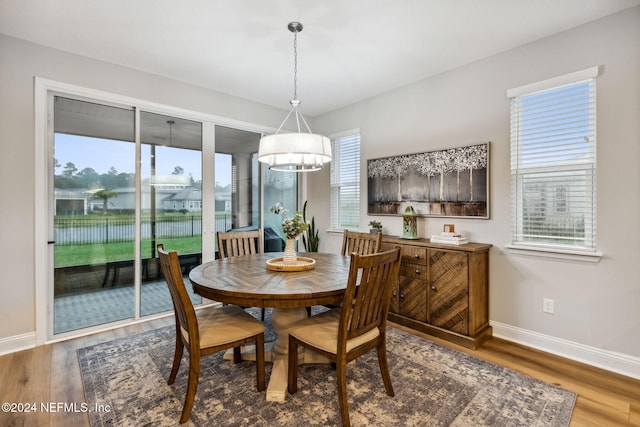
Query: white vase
x,y
290,257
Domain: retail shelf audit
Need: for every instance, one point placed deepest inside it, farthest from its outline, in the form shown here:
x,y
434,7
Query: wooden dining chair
x,y
240,243
360,325
360,243
206,331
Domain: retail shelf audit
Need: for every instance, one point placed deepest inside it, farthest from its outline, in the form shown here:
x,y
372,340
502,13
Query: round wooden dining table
x,y
247,282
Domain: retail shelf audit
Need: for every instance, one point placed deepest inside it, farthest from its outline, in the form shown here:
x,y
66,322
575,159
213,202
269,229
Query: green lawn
x,y
71,255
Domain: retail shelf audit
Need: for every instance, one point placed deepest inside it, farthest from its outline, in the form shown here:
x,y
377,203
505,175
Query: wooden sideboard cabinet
x,y
443,290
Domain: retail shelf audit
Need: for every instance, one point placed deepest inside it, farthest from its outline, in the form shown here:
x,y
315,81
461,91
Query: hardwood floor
x,y
50,374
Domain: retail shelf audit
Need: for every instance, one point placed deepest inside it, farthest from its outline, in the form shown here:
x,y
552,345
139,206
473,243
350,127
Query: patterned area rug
x,y
434,386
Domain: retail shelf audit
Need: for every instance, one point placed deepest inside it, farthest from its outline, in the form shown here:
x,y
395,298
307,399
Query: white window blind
x,y
345,181
553,165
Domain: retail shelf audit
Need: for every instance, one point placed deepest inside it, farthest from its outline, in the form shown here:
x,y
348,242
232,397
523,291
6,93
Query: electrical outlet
x,y
547,305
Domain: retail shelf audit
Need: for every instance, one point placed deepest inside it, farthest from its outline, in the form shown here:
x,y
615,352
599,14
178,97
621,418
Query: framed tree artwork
x,y
444,183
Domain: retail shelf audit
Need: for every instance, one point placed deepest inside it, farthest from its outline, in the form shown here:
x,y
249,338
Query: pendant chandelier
x,y
295,151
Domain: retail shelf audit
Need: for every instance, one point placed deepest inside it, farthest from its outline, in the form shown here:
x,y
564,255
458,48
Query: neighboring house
x,y
555,208
223,201
74,202
126,197
82,202
189,199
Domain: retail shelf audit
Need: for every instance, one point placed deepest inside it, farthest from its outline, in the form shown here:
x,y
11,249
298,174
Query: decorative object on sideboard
x,y
410,223
446,183
449,236
376,226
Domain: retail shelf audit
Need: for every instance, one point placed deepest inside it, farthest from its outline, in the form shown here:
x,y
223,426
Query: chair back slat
x,y
239,243
368,294
360,243
182,305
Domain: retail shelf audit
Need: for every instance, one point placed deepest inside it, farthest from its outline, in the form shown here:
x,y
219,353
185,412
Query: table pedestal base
x,y
278,352
281,320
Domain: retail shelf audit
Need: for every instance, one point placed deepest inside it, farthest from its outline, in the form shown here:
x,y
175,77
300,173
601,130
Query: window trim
x,y
564,79
544,249
557,253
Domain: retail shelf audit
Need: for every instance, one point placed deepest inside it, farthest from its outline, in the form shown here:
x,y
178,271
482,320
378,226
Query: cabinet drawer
x,y
413,254
414,271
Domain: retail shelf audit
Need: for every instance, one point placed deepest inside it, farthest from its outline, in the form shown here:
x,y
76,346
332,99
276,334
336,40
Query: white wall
x,y
20,63
596,305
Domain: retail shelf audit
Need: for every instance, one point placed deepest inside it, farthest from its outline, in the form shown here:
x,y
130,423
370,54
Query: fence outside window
x,y
80,230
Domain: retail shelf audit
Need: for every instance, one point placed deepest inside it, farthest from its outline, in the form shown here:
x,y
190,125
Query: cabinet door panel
x,y
412,298
448,290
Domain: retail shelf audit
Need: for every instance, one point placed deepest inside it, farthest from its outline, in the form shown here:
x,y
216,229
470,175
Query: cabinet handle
x,y
433,288
401,295
417,271
416,256
395,293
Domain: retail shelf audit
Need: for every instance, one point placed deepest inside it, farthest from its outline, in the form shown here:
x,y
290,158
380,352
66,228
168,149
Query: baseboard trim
x,y
611,361
17,343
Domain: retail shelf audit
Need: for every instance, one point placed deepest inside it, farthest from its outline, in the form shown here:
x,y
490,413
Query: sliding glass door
x,y
103,205
123,179
171,202
237,179
93,184
238,184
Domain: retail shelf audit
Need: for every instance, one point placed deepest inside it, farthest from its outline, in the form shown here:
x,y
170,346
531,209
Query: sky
x,y
102,154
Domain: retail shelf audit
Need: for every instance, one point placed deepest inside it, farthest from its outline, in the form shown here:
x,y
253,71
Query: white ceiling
x,y
349,50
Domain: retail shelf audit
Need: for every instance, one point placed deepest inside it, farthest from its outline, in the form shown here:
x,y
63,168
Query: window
x,y
553,163
345,181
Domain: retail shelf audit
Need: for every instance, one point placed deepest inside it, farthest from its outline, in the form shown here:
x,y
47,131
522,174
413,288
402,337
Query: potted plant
x,y
376,226
311,240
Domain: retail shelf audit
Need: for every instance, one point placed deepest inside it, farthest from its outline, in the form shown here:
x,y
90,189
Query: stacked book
x,y
449,238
